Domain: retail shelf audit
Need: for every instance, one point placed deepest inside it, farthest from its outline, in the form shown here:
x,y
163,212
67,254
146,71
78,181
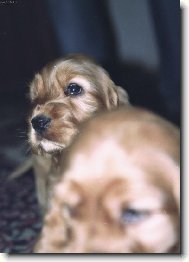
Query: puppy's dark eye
x,y
130,216
73,90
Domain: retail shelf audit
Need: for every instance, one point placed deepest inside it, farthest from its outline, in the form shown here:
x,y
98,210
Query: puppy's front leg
x,y
42,168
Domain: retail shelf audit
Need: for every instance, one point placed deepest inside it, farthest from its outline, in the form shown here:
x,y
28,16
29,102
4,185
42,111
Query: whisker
x,y
20,130
26,147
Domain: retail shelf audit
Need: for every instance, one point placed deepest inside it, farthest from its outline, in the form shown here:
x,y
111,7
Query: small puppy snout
x,y
40,123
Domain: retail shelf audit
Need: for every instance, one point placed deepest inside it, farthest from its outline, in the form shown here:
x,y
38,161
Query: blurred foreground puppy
x,y
119,191
64,94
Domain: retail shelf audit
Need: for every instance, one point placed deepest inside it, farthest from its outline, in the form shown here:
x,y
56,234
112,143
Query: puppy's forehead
x,y
100,161
109,160
126,184
64,71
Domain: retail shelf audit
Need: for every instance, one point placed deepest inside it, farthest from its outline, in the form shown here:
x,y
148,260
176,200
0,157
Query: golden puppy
x,y
64,94
119,191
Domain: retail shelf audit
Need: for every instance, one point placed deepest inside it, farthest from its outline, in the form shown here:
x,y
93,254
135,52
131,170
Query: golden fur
x,y
120,188
48,97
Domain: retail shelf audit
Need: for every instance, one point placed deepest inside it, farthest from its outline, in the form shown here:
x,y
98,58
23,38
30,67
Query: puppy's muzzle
x,y
40,123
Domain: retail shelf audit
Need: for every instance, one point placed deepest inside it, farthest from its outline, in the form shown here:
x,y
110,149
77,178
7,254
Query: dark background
x,y
33,33
137,41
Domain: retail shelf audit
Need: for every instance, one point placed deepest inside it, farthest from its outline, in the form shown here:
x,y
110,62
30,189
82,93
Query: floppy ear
x,y
172,172
176,185
36,87
122,96
165,172
113,95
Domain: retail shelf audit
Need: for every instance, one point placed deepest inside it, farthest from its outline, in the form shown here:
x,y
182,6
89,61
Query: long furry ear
x,y
176,186
164,171
172,175
122,95
113,95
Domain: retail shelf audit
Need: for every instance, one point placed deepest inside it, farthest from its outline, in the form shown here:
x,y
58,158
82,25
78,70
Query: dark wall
x,y
35,32
27,42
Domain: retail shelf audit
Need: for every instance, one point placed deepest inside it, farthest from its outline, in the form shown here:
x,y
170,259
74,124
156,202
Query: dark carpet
x,y
20,221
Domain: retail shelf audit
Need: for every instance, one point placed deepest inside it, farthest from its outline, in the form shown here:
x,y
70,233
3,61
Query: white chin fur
x,y
49,146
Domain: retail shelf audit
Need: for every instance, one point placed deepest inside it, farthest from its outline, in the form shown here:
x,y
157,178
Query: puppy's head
x,y
120,189
64,94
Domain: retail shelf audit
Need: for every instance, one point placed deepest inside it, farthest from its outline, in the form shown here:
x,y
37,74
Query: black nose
x,y
40,123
